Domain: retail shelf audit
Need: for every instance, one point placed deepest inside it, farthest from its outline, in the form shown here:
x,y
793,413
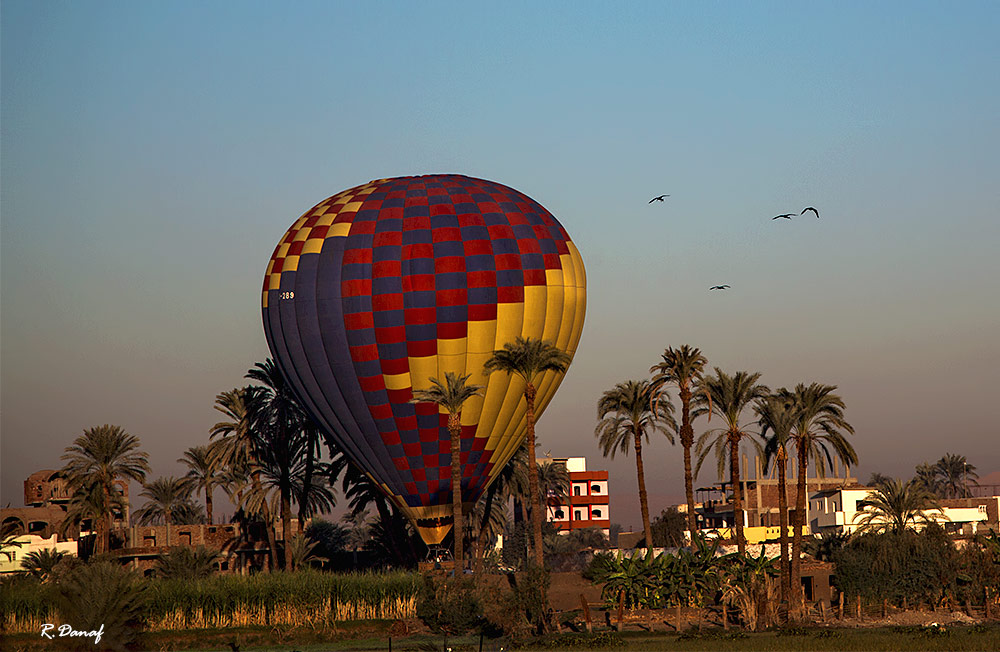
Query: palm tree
x,y
234,455
361,490
96,460
553,483
166,496
451,396
954,473
727,397
926,476
277,420
894,507
818,435
682,367
627,414
41,563
201,474
777,416
89,503
527,358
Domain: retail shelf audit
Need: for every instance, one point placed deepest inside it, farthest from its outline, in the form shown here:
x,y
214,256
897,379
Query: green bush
x,y
924,567
449,605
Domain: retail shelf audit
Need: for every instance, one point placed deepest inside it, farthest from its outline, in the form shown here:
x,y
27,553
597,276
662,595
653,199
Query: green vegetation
x,y
906,567
295,599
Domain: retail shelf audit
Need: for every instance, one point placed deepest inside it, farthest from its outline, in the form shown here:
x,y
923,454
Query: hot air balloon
x,y
381,287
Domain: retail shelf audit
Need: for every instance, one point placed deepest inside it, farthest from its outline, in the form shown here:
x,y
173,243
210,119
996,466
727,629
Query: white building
x,y
11,558
836,510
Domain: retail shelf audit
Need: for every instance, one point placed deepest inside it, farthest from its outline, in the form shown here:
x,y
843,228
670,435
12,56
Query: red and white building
x,y
589,502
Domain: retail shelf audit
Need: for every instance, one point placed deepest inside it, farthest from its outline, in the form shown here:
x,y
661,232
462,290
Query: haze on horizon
x,y
154,153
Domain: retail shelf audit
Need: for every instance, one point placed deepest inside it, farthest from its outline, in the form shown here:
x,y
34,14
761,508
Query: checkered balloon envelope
x,y
378,289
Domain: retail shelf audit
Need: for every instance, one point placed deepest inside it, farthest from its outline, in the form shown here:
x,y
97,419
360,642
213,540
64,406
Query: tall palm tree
x,y
683,367
953,472
727,397
96,460
528,358
926,476
307,483
201,474
89,502
451,396
627,413
166,496
776,415
818,435
277,421
234,455
895,506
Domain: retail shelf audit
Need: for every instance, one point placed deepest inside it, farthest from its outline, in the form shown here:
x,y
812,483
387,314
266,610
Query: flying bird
x,y
718,287
660,198
787,216
810,208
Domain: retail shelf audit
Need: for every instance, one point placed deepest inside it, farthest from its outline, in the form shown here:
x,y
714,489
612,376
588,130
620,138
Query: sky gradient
x,y
154,153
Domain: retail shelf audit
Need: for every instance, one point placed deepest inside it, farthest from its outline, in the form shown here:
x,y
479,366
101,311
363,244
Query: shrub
x,y
449,605
102,595
920,567
187,563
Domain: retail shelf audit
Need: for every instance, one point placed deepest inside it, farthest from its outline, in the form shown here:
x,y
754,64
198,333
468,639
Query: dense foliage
x,y
918,567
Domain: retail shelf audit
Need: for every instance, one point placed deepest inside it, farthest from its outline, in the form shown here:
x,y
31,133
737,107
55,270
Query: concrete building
x,y
589,499
836,510
761,496
10,560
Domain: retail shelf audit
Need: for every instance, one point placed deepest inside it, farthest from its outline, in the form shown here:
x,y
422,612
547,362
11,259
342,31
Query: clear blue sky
x,y
154,153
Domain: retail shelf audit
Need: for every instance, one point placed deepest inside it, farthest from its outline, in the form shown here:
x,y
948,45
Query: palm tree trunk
x,y
103,524
455,430
782,461
643,504
534,498
208,503
687,440
286,522
734,476
478,552
800,519
307,478
265,513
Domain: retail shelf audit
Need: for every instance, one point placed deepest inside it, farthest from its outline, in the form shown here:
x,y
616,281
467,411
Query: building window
x,y
596,513
211,530
578,515
560,514
577,491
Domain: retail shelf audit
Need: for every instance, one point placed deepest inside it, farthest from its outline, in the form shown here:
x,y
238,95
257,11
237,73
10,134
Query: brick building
x,y
46,497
